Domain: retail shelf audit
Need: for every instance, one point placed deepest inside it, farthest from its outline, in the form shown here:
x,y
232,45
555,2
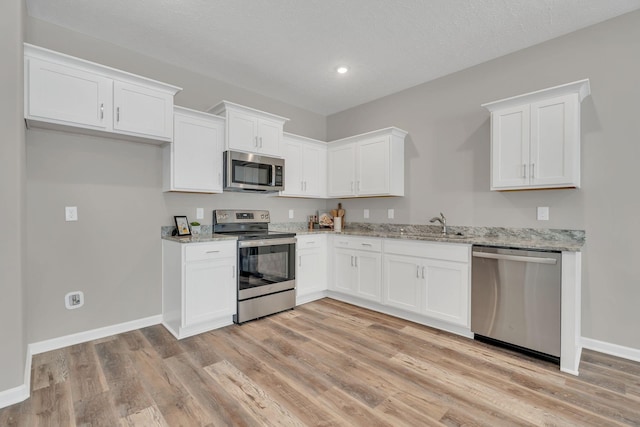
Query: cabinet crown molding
x,y
224,105
190,112
581,87
33,51
393,131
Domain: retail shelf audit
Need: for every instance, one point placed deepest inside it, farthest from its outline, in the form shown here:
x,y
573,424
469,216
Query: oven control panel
x,y
228,216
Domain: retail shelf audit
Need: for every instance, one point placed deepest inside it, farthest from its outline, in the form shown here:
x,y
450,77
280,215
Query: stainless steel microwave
x,y
252,172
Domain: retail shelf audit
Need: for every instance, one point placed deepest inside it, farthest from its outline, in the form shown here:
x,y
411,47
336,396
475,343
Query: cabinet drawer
x,y
432,250
198,252
360,243
308,242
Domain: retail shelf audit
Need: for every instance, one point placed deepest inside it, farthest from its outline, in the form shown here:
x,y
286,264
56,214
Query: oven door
x,y
250,172
265,266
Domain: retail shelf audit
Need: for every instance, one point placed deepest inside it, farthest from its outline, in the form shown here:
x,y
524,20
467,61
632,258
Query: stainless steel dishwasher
x,y
515,298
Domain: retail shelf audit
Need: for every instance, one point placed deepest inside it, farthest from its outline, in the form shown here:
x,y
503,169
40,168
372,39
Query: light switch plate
x,y
199,213
290,213
543,213
366,213
390,213
71,213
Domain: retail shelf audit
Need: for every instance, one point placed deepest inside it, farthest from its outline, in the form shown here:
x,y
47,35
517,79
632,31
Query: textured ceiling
x,y
289,49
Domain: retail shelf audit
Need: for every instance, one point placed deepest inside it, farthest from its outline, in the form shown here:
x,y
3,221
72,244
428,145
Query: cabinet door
x,y
210,290
66,95
311,273
242,131
369,275
314,166
197,154
293,182
447,291
142,111
403,282
373,167
343,271
341,179
510,147
555,144
269,137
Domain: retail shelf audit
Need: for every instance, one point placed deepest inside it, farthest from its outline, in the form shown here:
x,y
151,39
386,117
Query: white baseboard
x,y
612,349
94,334
13,395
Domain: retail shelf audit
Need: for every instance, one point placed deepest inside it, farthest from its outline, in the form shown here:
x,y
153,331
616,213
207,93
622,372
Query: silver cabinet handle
x,y
352,186
212,252
101,111
219,178
417,271
524,170
301,185
534,260
366,244
423,271
260,142
351,260
533,168
311,243
255,141
305,186
358,186
118,114
356,258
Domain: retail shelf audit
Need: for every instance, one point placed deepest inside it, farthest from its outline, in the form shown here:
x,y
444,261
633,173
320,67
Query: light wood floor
x,y
325,363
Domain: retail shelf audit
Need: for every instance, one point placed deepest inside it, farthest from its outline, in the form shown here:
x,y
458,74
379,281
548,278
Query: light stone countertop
x,y
519,238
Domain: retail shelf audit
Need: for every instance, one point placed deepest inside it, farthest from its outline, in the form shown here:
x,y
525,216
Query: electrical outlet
x,y
71,213
74,300
366,213
543,213
199,213
290,213
390,213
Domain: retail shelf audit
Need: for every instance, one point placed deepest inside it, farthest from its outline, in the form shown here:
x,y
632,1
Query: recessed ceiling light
x,y
342,70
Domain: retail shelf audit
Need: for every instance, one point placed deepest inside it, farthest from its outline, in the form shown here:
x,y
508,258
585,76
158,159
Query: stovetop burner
x,y
246,224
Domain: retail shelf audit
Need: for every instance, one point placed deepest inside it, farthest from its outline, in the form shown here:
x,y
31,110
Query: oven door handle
x,y
266,242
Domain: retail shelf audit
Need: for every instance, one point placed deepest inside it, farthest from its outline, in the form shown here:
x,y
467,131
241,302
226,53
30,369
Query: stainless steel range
x,y
266,263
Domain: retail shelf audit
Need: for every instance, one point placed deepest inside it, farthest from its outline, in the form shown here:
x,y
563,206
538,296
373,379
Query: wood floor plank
x,y
326,363
262,406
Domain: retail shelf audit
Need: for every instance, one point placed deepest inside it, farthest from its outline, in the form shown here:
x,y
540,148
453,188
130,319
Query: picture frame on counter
x,y
182,226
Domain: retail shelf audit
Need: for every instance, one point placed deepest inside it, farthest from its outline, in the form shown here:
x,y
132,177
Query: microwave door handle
x,y
273,175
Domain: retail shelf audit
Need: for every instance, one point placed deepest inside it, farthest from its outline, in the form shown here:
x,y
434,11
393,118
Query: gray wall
x,y
113,252
447,159
12,211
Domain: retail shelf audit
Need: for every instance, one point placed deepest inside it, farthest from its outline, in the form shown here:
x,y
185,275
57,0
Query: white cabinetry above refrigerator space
x,y
67,93
535,138
250,130
193,163
367,165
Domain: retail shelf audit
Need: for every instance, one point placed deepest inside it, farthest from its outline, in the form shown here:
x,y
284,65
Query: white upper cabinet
x,y
367,165
193,163
305,167
250,130
63,92
535,138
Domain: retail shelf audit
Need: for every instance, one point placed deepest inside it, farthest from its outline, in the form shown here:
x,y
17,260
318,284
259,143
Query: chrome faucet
x,y
442,220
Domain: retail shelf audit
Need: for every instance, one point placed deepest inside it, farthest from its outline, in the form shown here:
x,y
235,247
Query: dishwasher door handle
x,y
535,260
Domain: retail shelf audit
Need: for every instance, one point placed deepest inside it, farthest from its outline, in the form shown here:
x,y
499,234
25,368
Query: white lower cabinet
x,y
198,286
427,278
311,268
357,267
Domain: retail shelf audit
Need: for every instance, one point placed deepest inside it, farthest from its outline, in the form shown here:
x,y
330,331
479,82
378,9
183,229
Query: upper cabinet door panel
x,y
314,163
510,148
342,171
67,95
142,111
269,137
242,131
197,151
373,167
554,140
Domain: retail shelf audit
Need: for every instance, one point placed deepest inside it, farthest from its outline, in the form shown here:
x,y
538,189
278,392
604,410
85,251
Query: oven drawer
x,y
199,252
360,243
